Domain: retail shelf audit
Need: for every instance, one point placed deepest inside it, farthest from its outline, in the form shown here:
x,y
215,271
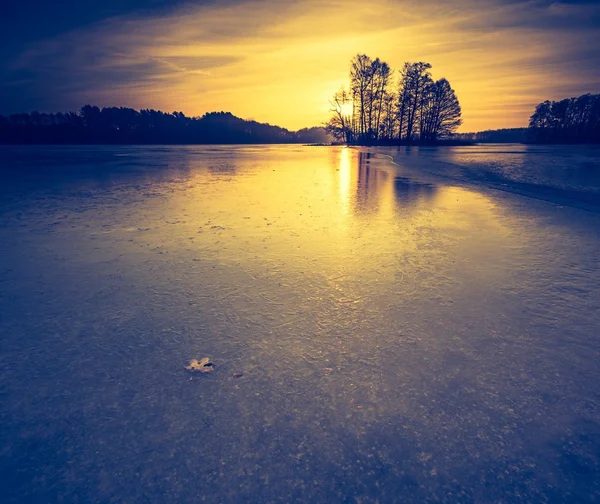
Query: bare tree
x,y
340,124
402,113
382,73
361,77
388,121
441,113
415,79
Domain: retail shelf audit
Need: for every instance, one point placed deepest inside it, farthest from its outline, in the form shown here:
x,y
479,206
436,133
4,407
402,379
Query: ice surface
x,y
406,332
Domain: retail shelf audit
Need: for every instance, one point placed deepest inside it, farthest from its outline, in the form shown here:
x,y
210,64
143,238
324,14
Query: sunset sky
x,y
279,62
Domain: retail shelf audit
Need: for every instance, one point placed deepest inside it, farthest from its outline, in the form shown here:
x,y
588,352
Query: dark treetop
x,y
569,121
572,120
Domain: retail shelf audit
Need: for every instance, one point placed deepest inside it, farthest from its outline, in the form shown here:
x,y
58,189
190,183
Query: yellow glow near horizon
x,y
281,64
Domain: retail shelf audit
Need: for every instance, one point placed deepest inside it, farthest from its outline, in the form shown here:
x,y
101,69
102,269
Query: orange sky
x,y
280,62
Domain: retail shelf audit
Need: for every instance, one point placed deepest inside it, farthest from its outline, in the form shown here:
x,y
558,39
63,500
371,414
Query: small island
x,y
373,111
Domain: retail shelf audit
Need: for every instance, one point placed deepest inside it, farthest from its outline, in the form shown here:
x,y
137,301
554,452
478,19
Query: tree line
x,y
568,121
376,110
119,125
572,120
504,135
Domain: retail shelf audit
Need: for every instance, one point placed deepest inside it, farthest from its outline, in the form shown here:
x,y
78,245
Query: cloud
x,y
280,61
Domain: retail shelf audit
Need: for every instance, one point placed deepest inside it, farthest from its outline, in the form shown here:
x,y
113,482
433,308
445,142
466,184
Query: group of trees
x,y
93,125
375,110
568,121
572,120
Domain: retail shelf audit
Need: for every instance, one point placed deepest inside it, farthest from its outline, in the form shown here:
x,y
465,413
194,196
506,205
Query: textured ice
x,y
406,331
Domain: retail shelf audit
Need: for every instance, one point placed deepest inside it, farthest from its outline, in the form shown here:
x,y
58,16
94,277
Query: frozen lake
x,y
422,330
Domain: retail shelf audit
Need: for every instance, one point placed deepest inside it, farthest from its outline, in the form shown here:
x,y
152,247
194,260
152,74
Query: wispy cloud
x,y
279,62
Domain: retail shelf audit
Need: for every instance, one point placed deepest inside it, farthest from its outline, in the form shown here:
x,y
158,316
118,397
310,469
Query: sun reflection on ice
x,y
345,170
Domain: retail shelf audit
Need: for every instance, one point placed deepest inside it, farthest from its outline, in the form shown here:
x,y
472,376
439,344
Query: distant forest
x,y
569,121
572,120
418,110
113,125
376,110
505,135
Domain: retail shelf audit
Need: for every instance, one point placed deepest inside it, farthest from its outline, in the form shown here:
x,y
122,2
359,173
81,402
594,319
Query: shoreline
x,y
588,201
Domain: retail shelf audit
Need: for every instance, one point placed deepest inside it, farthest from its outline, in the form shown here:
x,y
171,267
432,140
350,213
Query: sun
x,y
346,109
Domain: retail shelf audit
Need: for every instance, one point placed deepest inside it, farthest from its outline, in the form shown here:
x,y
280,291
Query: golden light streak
x,y
345,174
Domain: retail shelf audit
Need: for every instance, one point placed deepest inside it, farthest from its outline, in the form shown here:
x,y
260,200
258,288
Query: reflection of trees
x,y
369,185
409,192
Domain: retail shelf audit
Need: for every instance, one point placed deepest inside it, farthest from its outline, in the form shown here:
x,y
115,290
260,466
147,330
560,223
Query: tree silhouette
x,y
93,125
340,124
440,113
416,80
369,113
572,120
